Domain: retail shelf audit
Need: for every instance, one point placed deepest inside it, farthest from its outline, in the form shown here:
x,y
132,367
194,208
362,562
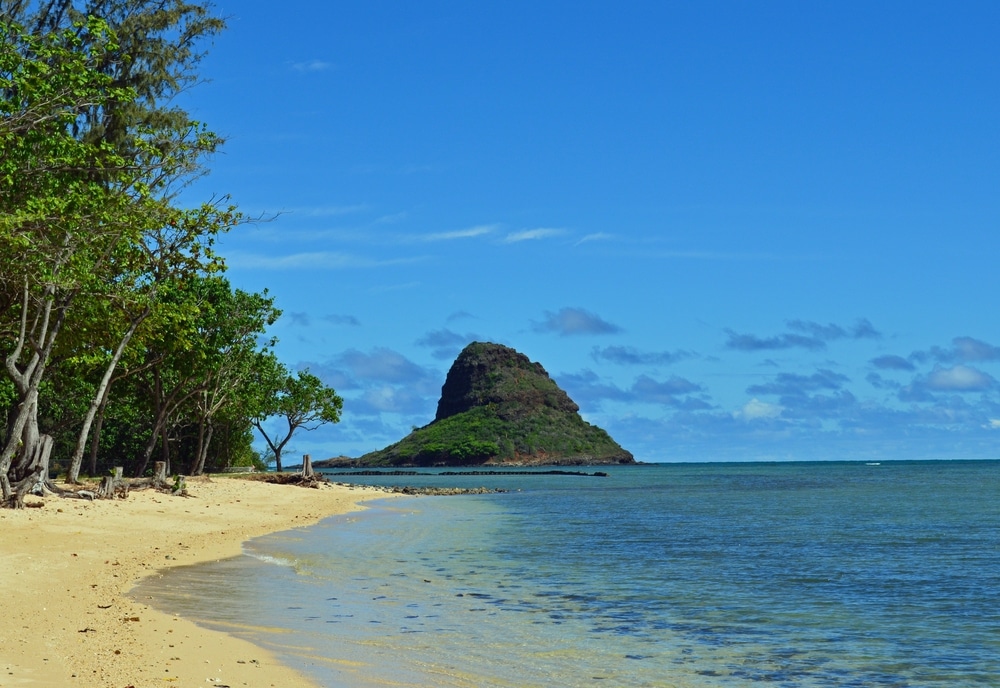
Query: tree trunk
x,y
39,463
101,398
147,452
23,488
96,441
307,467
165,447
15,437
34,475
204,442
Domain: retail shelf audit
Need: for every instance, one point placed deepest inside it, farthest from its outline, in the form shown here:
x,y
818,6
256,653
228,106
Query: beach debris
x,y
314,480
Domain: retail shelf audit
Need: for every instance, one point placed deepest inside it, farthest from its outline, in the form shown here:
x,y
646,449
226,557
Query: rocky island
x,y
498,408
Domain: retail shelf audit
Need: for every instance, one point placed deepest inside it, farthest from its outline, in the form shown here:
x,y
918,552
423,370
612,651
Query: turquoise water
x,y
791,574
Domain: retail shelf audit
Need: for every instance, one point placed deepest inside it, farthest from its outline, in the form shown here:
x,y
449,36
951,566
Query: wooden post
x,y
307,467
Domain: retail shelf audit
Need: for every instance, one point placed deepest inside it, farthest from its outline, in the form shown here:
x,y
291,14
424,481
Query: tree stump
x,y
160,474
307,467
113,485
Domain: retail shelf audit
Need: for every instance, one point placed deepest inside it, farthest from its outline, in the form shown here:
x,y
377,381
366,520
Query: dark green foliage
x,y
498,407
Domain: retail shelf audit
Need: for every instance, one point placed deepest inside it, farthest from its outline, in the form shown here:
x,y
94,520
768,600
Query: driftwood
x,y
116,486
314,480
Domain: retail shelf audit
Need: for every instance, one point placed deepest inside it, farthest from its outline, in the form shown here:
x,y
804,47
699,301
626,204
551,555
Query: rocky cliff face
x,y
498,376
497,407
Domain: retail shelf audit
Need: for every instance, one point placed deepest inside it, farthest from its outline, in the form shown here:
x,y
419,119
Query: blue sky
x,y
730,230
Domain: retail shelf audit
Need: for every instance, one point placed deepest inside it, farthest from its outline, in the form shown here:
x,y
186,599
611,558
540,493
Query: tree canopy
x,y
118,330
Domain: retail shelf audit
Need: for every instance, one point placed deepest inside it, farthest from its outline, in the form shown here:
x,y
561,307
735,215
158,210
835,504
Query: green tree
x,y
92,153
60,212
297,402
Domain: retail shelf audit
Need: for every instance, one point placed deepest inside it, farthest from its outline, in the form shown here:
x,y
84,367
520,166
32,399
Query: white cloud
x,y
756,409
532,235
572,321
312,66
959,379
469,233
598,236
994,424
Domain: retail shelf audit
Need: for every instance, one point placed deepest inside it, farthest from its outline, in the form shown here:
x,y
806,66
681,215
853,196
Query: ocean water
x,y
786,574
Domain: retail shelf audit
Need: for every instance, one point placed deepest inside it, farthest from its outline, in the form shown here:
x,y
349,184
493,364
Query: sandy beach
x,y
67,569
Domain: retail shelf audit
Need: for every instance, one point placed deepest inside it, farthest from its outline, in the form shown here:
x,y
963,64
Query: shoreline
x,y
69,567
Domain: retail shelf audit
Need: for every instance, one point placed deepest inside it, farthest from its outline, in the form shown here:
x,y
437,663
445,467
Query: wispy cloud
x,y
597,236
574,321
668,393
312,66
588,389
959,378
445,344
381,365
328,260
791,384
956,379
891,362
805,335
342,320
390,399
532,235
298,319
963,350
471,232
460,315
626,355
751,342
382,381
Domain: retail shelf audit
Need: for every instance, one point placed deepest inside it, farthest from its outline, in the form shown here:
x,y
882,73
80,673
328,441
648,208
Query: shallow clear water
x,y
801,574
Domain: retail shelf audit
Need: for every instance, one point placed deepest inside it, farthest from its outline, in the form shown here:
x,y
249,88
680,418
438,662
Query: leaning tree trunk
x,y
204,441
95,443
16,448
101,398
23,438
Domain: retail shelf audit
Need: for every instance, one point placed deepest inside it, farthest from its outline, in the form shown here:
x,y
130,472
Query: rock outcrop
x,y
499,408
